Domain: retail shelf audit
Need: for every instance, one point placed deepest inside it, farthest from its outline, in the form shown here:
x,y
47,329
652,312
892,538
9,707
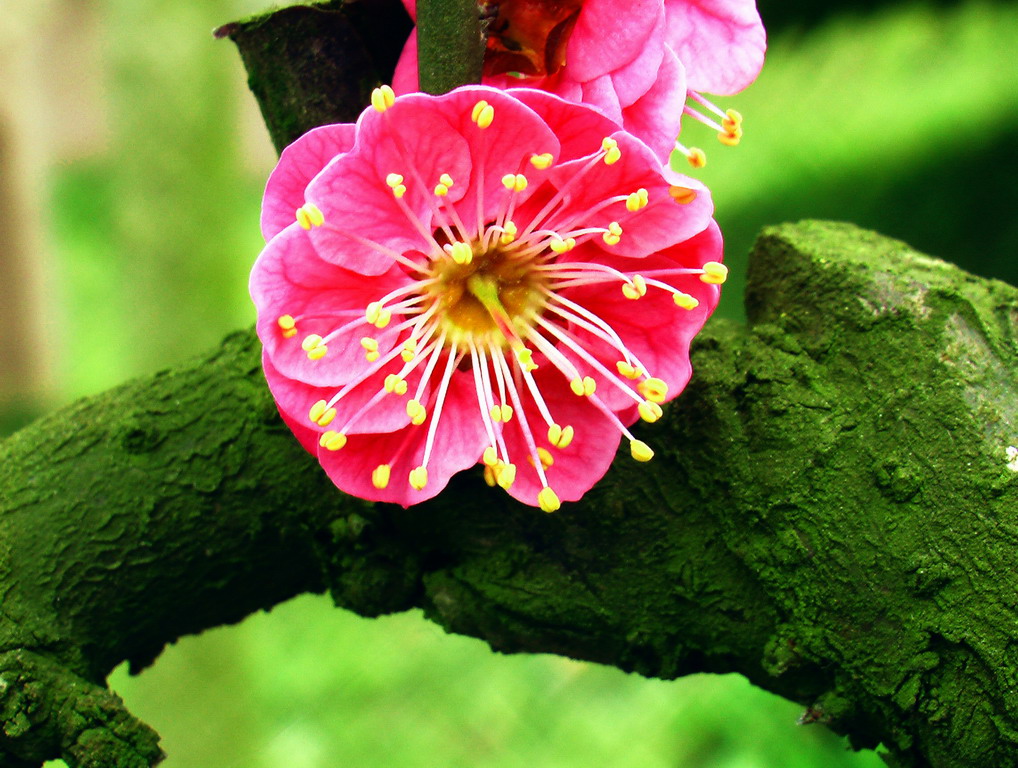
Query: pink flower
x,y
486,276
643,63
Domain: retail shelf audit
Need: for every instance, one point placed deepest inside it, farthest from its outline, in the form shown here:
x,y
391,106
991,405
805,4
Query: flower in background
x,y
643,63
486,276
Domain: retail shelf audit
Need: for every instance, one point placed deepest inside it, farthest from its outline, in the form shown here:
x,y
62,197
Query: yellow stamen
x,y
409,350
441,190
696,157
730,138
417,412
489,477
636,289
685,301
714,273
326,419
484,116
507,412
380,476
526,359
542,161
419,478
505,475
509,235
461,253
287,325
314,346
496,414
548,500
395,385
559,436
445,179
649,412
583,387
476,113
545,456
332,441
558,245
515,181
627,370
682,195
653,389
394,180
641,451
613,156
317,410
382,98
490,457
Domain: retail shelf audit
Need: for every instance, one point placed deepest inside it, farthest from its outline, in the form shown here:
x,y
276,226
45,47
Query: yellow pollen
x,y
608,144
545,456
489,476
496,414
650,412
372,356
548,500
476,113
377,315
641,451
490,456
505,474
380,476
584,387
509,233
418,478
559,245
733,117
542,161
326,419
314,346
714,273
445,179
441,190
461,253
409,350
515,181
627,370
394,180
417,412
332,441
696,157
682,195
685,301
526,359
633,202
507,412
382,98
730,138
653,389
636,289
287,325
613,156
559,436
369,344
485,116
317,410
398,191
395,385
318,353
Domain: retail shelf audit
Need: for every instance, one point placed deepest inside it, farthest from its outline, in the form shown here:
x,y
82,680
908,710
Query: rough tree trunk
x,y
831,512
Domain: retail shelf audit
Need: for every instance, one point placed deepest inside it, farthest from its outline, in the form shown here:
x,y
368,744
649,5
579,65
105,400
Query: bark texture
x,y
831,513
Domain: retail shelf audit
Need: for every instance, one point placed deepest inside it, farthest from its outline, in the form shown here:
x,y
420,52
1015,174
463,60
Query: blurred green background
x,y
131,165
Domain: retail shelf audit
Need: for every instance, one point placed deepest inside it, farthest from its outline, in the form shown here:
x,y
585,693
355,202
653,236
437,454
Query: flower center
x,y
489,300
529,37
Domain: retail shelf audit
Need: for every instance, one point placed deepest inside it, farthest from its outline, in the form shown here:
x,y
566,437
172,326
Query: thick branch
x,y
830,513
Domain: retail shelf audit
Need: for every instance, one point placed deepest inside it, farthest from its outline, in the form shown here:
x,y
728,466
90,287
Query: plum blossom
x,y
643,63
486,276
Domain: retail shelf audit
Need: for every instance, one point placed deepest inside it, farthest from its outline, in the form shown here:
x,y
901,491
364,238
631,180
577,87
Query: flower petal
x,y
656,116
601,44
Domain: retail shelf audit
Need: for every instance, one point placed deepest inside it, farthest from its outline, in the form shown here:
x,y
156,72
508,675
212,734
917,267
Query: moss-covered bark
x,y
831,513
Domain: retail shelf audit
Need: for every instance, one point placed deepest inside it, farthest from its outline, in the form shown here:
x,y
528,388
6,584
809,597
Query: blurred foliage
x,y
896,117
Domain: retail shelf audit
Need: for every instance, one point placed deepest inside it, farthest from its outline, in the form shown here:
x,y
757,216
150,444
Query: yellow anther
x,y
394,180
303,219
505,475
682,195
312,215
377,315
559,436
395,384
548,500
644,195
507,412
496,414
326,419
633,202
545,456
380,476
514,181
382,98
613,156
317,410
649,412
733,118
416,412
476,113
653,389
398,191
489,476
287,325
490,456
610,239
372,356
641,451
730,138
461,253
332,441
577,386
714,273
584,387
483,116
509,233
696,157
311,341
369,344
685,301
558,245
441,190
627,370
608,144
409,350
419,478
542,161
525,358
318,353
635,289
445,179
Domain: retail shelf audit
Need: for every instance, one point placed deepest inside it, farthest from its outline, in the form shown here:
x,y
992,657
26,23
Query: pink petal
x,y
404,79
656,116
579,128
609,34
298,164
720,42
634,79
577,466
459,442
600,92
358,204
290,279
